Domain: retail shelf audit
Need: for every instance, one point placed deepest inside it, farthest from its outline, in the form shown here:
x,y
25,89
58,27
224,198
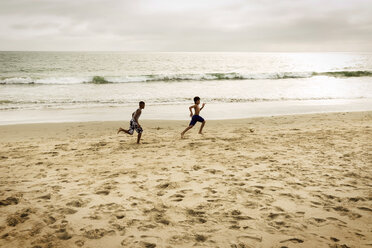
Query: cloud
x,y
174,25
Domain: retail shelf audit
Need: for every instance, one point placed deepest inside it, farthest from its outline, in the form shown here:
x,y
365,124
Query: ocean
x,y
100,86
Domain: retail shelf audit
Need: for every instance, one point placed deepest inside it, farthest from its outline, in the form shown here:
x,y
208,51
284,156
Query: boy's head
x,y
197,100
142,105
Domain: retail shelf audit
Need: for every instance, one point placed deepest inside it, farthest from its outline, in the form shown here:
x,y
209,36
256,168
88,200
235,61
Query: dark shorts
x,y
134,126
195,119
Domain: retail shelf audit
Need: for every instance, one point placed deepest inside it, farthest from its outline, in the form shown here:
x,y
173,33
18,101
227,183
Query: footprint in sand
x,y
336,220
237,215
250,240
9,201
104,190
18,217
63,234
67,211
168,185
97,233
77,203
179,239
318,221
365,209
45,197
293,240
63,147
196,216
49,220
200,238
157,215
79,243
142,242
120,228
177,197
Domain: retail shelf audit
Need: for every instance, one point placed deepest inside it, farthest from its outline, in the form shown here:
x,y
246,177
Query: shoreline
x,y
164,121
296,181
213,111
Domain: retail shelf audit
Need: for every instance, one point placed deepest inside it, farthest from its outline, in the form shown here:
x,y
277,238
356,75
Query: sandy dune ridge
x,y
296,181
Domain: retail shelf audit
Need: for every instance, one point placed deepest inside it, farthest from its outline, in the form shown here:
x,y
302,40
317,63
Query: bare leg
x,y
139,138
123,130
201,127
187,129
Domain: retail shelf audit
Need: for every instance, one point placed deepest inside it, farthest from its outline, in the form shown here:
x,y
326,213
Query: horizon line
x,y
143,51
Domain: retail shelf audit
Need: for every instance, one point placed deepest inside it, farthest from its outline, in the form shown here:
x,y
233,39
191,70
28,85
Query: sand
x,y
296,181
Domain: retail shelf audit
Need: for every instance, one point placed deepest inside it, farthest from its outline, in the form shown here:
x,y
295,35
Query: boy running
x,y
134,124
195,117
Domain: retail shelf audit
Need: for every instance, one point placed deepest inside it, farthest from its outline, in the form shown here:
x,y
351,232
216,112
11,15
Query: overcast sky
x,y
188,25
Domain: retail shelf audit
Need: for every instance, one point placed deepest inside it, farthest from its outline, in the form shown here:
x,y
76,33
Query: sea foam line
x,y
180,77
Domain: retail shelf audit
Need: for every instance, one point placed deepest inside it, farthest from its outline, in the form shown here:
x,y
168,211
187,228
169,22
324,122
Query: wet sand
x,y
295,181
214,111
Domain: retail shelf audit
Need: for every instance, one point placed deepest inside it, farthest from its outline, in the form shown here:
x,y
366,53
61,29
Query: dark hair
x,y
141,102
196,99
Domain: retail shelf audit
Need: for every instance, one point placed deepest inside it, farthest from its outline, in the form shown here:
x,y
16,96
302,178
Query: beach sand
x,y
295,181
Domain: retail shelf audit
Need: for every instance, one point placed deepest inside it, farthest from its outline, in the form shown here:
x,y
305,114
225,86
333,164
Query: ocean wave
x,y
47,80
180,77
344,73
24,104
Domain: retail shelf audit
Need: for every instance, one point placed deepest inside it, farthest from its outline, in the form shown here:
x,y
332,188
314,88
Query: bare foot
x,y
201,133
120,130
182,135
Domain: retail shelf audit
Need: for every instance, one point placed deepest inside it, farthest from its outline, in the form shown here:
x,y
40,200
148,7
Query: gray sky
x,y
188,25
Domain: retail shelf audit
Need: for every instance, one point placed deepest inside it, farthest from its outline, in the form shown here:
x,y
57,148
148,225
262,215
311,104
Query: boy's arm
x,y
190,108
202,106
